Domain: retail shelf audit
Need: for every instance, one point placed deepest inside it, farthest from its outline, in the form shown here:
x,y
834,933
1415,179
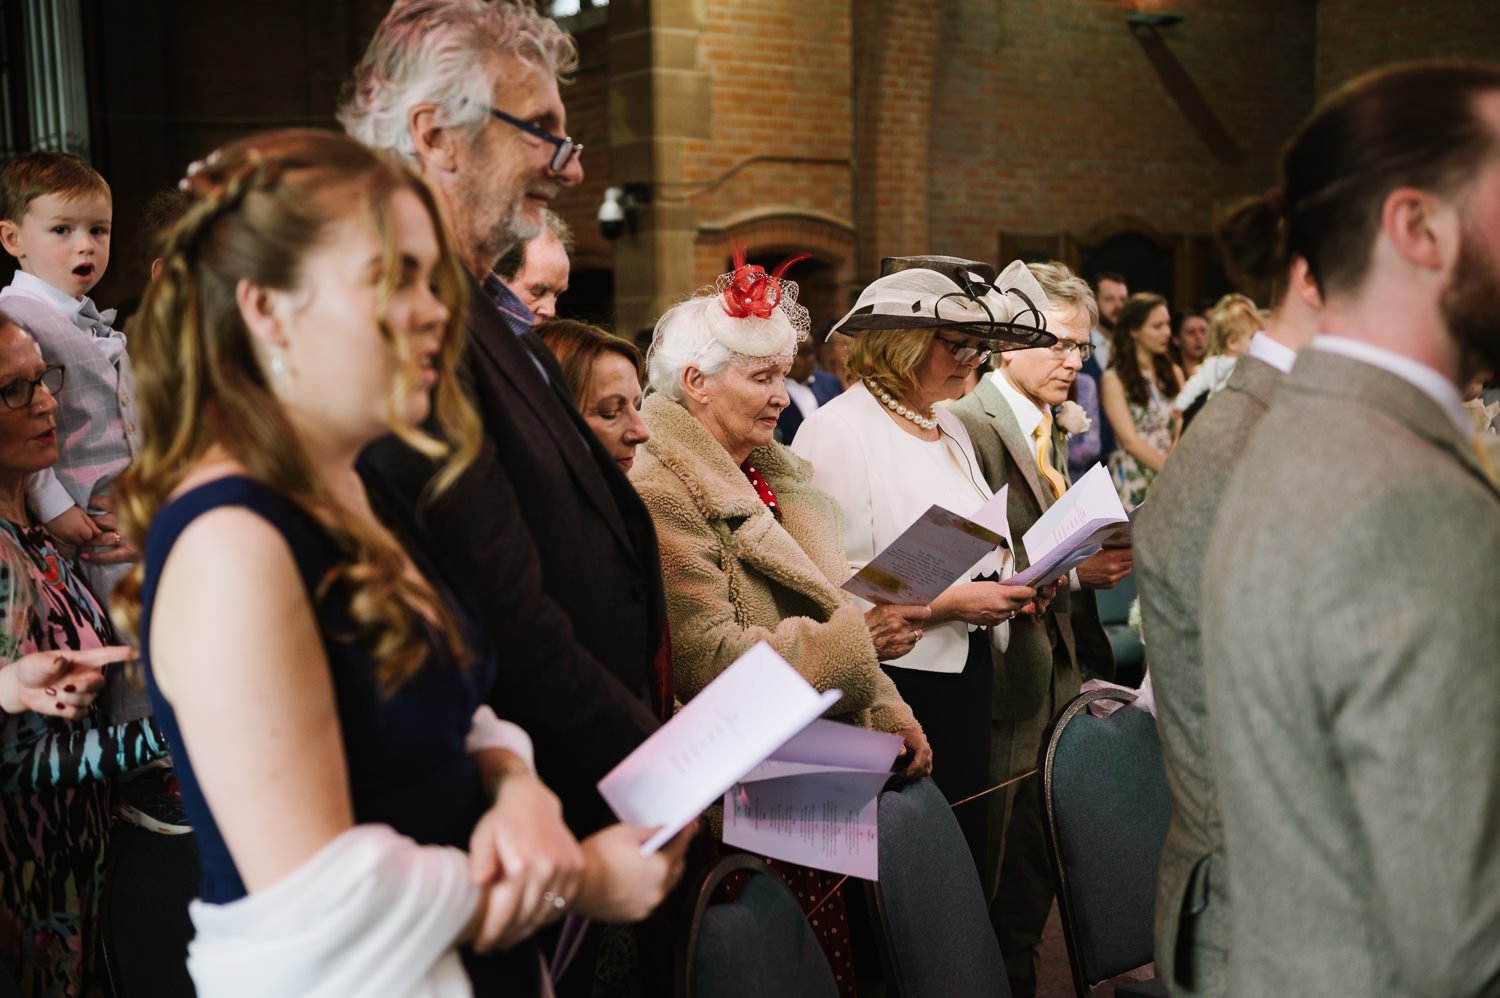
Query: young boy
x,y
55,215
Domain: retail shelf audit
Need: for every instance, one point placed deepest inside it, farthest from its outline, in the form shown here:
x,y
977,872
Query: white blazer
x,y
884,478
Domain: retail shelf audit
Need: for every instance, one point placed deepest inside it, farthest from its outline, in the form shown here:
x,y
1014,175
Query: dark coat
x,y
561,557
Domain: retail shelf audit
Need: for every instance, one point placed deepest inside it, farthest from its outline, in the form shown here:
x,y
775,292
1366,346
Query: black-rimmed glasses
x,y
962,352
1064,347
18,394
563,147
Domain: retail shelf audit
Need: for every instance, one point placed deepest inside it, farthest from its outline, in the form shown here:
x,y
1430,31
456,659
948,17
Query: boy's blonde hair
x,y
37,174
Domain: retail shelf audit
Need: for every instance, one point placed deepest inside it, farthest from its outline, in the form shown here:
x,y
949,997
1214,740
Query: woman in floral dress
x,y
55,767
1136,394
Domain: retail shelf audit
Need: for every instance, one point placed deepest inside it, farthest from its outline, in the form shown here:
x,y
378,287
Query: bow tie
x,y
91,320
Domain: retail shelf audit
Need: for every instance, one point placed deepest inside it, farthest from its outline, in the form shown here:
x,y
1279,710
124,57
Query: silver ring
x,y
916,634
555,900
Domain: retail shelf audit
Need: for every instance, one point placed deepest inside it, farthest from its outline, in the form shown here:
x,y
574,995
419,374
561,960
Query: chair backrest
x,y
759,944
1106,810
935,932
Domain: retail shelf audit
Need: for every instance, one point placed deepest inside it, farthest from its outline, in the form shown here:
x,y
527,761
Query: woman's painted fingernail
x,y
61,705
70,688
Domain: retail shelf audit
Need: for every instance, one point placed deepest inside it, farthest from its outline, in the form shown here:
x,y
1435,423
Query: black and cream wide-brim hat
x,y
944,292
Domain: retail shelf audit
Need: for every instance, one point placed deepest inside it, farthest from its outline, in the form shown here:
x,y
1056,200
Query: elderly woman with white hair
x,y
886,451
749,550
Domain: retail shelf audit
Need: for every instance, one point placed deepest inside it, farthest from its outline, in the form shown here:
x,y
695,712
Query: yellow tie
x,y
1043,435
1484,459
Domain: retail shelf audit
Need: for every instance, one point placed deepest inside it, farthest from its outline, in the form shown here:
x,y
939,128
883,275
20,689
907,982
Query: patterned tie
x,y
1043,436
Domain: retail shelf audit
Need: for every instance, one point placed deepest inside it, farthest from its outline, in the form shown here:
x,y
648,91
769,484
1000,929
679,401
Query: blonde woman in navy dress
x,y
364,825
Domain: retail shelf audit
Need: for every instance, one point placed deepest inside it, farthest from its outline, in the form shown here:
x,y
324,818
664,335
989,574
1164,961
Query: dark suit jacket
x,y
1171,538
1350,640
561,556
826,386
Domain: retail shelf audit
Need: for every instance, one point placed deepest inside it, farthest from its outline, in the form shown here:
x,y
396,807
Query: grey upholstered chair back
x,y
1106,811
1124,640
757,945
936,938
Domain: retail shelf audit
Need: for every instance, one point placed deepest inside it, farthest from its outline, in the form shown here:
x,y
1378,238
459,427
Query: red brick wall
x,y
1049,116
1359,35
780,88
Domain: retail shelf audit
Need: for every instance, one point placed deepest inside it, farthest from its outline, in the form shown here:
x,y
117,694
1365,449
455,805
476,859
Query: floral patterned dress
x,y
55,805
1153,422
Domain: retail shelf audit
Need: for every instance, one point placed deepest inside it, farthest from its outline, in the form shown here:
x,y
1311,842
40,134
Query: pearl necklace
x,y
927,422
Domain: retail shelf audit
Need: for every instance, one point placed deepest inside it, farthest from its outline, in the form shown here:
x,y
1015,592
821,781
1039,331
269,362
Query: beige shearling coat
x,y
736,575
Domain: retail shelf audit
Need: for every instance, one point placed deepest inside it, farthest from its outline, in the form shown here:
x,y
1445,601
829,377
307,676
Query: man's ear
x,y
434,142
1303,285
10,238
1422,229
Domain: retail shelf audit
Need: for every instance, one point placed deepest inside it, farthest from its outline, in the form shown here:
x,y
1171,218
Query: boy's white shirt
x,y
45,494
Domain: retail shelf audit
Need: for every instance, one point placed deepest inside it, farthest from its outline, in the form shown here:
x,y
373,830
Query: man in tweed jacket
x,y
1350,625
1171,535
1039,670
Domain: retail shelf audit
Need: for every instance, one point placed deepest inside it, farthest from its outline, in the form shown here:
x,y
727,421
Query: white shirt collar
x,y
1273,352
802,396
1028,416
35,287
1423,378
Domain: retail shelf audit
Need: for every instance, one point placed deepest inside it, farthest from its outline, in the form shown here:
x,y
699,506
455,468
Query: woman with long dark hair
x,y
1136,394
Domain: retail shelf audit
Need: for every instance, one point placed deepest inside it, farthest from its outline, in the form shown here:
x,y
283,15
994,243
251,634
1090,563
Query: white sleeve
x,y
371,913
839,469
488,731
46,495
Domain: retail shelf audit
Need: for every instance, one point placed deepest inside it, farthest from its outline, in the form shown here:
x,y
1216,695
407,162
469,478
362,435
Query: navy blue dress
x,y
404,749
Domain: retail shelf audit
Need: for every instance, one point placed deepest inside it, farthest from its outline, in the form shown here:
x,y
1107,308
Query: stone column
x,y
658,98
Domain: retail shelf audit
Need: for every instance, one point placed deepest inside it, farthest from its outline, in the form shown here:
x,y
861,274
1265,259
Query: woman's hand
x,y
72,526
109,547
527,857
983,604
895,629
621,885
918,754
57,683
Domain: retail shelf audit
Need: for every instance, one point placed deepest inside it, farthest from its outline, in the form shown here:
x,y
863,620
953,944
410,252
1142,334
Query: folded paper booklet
x,y
734,723
931,554
1123,536
1073,529
813,801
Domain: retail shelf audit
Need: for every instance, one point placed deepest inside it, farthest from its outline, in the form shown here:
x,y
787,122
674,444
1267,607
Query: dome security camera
x,y
611,216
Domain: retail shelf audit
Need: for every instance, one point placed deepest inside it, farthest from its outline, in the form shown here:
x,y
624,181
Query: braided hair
x,y
259,206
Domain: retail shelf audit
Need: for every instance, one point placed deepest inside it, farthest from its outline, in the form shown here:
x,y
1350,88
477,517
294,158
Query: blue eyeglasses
x,y
563,148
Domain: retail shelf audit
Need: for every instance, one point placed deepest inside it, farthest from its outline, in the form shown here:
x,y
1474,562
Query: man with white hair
x,y
544,528
1019,419
536,271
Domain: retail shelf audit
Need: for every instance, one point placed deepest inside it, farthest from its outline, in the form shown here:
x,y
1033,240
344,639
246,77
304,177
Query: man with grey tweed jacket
x,y
1350,627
